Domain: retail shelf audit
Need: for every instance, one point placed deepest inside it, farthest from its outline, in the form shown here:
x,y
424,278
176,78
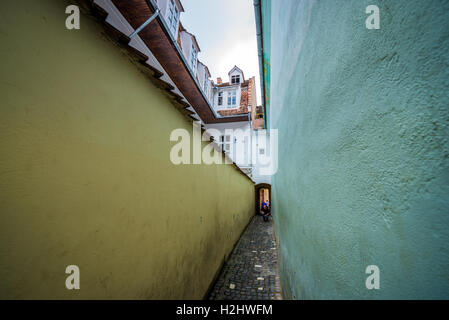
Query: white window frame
x,y
193,58
232,99
234,79
173,15
206,80
225,143
220,98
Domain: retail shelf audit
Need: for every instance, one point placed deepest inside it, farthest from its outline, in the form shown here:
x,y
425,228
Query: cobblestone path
x,y
251,273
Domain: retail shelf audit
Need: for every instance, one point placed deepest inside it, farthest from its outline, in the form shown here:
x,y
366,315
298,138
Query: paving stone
x,y
251,272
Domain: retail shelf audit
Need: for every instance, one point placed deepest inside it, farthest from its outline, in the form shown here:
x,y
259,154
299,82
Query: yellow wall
x,y
85,175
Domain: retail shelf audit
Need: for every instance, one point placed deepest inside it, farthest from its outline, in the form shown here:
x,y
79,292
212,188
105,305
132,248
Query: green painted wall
x,y
363,123
85,173
266,35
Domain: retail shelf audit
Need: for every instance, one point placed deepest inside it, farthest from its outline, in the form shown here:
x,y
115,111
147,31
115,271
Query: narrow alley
x,y
252,271
144,142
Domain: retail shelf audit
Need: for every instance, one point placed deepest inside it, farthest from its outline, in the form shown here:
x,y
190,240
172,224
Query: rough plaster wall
x,y
266,54
363,154
86,177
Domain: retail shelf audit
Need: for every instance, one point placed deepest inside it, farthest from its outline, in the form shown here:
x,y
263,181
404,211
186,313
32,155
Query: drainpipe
x,y
259,33
154,16
251,143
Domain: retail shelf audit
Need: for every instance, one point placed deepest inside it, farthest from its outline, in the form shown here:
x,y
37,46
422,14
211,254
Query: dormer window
x,y
205,84
235,79
220,98
193,57
173,17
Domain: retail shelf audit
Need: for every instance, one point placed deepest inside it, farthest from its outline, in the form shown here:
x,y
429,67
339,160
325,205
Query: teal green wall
x,y
266,32
363,147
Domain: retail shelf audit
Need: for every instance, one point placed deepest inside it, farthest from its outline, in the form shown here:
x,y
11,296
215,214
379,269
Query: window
x,y
261,151
220,98
173,16
226,143
205,84
193,56
235,79
232,98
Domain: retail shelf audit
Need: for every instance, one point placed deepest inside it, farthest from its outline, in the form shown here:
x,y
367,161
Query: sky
x,y
226,33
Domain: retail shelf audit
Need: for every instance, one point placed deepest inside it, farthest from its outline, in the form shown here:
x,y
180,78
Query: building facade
x,y
240,139
238,120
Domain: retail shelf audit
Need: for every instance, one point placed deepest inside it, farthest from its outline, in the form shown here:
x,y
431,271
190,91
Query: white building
x,y
233,102
236,98
171,11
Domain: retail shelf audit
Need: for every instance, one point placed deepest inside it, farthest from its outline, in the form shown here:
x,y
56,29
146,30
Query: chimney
x,y
219,81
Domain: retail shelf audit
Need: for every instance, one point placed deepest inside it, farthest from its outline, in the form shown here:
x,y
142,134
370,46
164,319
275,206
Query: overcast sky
x,y
226,34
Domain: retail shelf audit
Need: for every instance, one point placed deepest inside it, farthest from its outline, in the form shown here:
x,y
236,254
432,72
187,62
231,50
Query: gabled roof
x,y
205,67
194,40
238,69
180,5
182,29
